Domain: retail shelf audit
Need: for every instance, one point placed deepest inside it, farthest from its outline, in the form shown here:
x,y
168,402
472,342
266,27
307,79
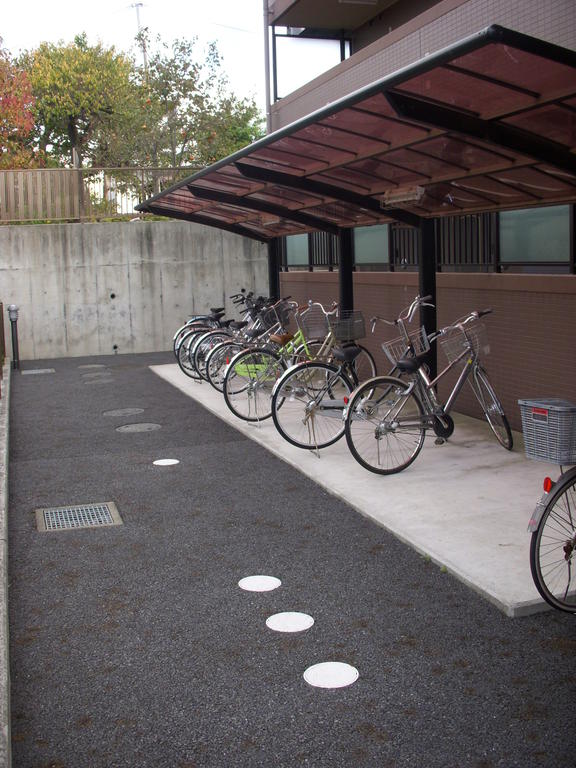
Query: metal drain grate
x,y
81,516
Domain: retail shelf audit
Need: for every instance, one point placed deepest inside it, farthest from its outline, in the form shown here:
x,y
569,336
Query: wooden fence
x,y
63,194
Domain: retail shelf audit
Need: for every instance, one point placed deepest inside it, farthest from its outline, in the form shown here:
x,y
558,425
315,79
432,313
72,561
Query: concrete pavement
x,y
464,504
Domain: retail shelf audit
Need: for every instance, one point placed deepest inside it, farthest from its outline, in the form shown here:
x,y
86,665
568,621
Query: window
x,y
535,235
297,251
371,246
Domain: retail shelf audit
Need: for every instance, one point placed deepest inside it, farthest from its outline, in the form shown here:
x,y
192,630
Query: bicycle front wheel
x,y
308,405
492,407
185,362
202,346
553,547
249,381
218,359
384,425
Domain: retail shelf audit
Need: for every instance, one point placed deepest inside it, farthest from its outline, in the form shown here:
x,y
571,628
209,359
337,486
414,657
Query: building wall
x,y
531,330
88,289
442,25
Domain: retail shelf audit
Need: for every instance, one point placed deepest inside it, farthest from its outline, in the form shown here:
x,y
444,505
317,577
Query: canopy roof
x,y
487,124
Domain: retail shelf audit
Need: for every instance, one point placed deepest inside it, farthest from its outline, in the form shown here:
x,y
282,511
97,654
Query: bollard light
x,y
13,315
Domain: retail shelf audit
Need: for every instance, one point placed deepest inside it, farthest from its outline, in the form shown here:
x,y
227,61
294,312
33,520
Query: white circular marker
x,y
166,462
290,621
331,674
259,583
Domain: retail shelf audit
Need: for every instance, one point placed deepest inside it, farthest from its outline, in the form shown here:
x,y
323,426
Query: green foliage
x,y
92,106
79,89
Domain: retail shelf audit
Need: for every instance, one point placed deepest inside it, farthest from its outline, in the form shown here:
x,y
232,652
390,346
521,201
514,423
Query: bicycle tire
x,y
249,381
218,359
491,407
185,361
553,546
364,365
185,329
301,421
203,345
384,425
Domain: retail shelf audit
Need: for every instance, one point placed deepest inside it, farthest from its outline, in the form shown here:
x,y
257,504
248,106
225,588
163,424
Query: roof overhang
x,y
488,124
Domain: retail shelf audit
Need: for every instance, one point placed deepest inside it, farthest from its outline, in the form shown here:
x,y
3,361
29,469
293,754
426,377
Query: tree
x,y
79,90
16,115
186,113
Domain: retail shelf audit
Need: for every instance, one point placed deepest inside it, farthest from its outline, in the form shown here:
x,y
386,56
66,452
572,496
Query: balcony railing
x,y
86,194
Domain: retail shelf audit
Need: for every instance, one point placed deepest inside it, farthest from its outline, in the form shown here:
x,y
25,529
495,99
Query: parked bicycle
x,y
387,417
549,427
308,400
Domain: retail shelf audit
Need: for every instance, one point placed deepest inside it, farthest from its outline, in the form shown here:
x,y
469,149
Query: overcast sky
x,y
236,26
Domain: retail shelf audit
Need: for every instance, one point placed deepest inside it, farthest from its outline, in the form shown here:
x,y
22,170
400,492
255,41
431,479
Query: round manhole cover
x,y
142,427
124,412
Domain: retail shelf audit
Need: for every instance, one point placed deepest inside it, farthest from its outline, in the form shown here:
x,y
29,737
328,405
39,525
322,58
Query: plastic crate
x,y
549,427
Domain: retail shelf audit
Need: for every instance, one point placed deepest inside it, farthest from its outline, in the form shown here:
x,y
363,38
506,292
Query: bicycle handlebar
x,y
406,314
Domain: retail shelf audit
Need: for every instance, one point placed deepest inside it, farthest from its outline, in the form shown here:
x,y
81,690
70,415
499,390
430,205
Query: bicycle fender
x,y
539,510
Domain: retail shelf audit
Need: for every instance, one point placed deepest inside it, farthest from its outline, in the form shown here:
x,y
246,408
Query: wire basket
x,y
279,314
348,326
454,342
313,322
549,428
396,349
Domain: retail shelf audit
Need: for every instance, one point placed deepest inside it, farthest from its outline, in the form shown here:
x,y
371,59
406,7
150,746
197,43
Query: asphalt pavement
x,y
134,646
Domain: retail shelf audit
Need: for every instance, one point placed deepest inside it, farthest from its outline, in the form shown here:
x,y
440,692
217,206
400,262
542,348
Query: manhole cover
x,y
124,412
81,516
143,427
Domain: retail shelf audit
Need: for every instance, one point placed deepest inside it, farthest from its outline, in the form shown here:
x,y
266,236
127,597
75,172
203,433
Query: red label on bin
x,y
539,414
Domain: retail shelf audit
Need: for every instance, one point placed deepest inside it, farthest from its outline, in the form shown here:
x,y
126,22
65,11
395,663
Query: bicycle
x,y
549,427
308,400
387,417
553,542
227,329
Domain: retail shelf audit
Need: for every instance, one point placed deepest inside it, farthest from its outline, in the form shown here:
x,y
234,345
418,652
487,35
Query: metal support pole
x,y
273,269
346,271
427,284
13,315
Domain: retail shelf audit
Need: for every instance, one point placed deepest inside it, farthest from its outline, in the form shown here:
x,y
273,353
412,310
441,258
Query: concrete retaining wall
x,y
88,289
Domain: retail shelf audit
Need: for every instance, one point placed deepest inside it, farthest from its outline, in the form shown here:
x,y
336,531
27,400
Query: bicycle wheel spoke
x,y
384,425
553,547
308,403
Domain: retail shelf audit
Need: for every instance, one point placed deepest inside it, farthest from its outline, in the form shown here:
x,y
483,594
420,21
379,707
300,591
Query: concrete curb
x,y
5,749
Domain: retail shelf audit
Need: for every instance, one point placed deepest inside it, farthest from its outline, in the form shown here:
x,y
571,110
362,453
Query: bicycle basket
x,y
396,349
271,317
313,323
454,343
348,326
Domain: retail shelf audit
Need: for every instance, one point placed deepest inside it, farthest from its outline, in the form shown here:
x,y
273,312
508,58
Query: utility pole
x,y
142,41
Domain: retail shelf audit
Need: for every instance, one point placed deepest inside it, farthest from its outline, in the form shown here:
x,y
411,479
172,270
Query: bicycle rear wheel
x,y
492,407
553,547
308,403
384,425
249,382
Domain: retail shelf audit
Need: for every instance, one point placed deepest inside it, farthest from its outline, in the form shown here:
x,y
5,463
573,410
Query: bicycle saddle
x,y
347,354
216,310
410,364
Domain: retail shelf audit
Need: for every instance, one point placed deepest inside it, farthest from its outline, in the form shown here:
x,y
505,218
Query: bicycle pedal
x,y
439,441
